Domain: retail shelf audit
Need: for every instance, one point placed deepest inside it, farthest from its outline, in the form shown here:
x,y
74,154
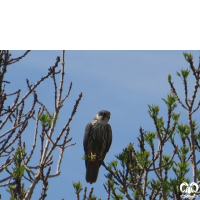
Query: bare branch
x,y
14,60
173,91
35,138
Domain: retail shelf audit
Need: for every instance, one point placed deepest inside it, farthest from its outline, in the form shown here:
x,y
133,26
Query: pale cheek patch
x,y
98,117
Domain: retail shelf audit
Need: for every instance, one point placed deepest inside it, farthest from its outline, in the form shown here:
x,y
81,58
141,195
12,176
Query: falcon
x,y
96,143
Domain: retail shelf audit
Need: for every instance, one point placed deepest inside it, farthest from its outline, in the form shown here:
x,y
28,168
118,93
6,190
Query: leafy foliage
x,y
16,189
78,187
46,120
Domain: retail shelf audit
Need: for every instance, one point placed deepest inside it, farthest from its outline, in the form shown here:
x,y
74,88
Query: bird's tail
x,y
92,171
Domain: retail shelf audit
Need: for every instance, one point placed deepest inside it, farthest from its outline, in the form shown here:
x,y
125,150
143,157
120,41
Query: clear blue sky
x,y
123,82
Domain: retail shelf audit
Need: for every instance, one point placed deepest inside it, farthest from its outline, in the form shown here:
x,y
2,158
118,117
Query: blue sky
x,y
123,82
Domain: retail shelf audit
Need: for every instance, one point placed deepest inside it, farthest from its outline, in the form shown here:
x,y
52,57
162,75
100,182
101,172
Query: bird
x,y
97,141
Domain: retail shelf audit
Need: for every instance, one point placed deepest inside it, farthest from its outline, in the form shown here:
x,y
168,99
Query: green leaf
x,y
166,186
170,102
188,56
46,120
194,125
119,197
149,138
183,130
93,198
160,124
169,78
178,74
114,163
175,117
78,187
155,184
143,157
153,111
185,73
136,194
17,174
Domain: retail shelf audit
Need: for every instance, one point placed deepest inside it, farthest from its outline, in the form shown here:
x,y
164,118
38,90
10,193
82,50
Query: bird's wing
x,y
86,136
109,139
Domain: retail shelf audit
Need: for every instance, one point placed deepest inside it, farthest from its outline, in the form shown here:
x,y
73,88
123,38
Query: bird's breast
x,y
99,131
98,134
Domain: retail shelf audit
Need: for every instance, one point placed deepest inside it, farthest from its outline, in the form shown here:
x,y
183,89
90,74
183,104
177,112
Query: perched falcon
x,y
97,141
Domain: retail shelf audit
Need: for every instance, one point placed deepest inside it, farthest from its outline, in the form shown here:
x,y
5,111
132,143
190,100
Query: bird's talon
x,y
93,157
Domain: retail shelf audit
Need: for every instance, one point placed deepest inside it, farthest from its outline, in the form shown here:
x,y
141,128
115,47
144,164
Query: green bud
x,y
78,187
169,78
188,56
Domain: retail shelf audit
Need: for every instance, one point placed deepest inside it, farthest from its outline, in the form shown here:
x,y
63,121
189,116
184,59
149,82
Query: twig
x,y
84,194
173,91
14,60
91,191
35,138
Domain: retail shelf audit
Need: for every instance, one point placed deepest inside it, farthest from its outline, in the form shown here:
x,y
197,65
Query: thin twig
x,y
14,60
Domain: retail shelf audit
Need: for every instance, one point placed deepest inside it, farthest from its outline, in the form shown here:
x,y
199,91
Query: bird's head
x,y
103,116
